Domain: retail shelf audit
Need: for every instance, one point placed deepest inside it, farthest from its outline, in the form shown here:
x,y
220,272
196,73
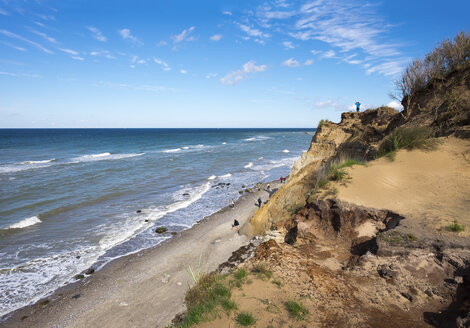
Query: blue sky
x,y
209,63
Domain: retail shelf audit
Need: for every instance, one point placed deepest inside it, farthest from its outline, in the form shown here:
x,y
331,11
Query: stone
x,y
90,271
161,230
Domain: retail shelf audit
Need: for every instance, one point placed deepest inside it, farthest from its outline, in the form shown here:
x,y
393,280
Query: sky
x,y
209,63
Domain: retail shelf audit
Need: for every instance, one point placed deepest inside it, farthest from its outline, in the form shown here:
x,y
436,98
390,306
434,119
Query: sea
x,y
71,199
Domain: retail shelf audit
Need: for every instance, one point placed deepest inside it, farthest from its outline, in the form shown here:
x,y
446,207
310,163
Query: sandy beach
x,y
145,289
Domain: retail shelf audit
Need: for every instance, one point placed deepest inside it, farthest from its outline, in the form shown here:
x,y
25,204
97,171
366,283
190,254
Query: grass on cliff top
x,y
323,122
205,299
407,138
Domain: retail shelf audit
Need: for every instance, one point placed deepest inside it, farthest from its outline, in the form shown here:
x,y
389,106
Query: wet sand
x,y
145,289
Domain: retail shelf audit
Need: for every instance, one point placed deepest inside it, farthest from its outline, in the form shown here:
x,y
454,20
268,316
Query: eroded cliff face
x,y
356,136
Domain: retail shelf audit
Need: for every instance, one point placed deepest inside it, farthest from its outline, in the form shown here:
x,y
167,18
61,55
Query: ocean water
x,y
69,197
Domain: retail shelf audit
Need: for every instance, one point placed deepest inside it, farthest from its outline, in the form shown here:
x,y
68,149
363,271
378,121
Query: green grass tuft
x,y
322,123
240,274
296,310
406,138
245,319
229,305
261,269
455,227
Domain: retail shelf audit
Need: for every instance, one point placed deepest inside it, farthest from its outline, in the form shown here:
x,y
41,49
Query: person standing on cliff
x,y
259,202
358,106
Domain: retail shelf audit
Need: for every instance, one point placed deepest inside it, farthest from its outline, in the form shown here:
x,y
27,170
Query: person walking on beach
x,y
260,201
358,106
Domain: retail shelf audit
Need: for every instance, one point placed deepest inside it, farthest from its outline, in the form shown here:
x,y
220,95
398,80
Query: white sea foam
x,y
224,143
38,162
257,138
212,177
286,151
174,150
26,165
25,223
228,175
247,166
289,162
260,158
27,282
185,147
102,157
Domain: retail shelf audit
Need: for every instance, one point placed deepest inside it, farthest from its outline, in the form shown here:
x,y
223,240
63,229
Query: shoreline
x,y
151,281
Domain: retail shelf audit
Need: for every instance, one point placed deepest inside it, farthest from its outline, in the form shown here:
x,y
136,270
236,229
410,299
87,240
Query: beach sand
x,y
145,289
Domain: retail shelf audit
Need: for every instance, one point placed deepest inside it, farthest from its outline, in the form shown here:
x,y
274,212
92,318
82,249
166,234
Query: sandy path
x,y
431,186
144,289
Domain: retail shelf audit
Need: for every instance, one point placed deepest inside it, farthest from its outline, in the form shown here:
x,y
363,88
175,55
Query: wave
x,y
25,223
212,177
102,157
38,162
228,175
27,165
286,151
172,150
257,138
274,164
247,166
224,143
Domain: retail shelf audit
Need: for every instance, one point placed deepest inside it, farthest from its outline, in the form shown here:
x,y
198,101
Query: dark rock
x,y
186,194
146,220
428,292
90,271
77,257
385,272
76,296
174,233
407,296
161,230
79,276
24,317
139,211
243,186
44,303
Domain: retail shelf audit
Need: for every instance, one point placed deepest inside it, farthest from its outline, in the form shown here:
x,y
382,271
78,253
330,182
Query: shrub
x,y
406,138
448,56
322,122
240,274
455,227
245,319
296,310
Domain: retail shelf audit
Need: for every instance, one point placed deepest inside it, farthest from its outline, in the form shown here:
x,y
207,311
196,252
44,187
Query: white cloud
x,y
78,58
103,53
387,68
34,76
97,34
183,71
238,75
308,62
291,62
3,12
211,75
19,37
288,45
183,36
70,52
162,63
162,43
253,32
136,60
216,37
45,36
395,104
13,46
315,52
330,104
329,54
228,13
127,35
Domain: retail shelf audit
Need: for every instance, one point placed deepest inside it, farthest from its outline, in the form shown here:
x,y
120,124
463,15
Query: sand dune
x,y
430,185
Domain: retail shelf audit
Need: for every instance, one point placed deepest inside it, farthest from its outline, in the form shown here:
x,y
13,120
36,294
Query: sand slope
x,y
432,186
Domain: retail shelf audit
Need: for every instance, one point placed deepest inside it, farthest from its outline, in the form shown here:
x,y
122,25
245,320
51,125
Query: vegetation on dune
x,y
245,319
261,270
447,57
406,138
205,299
455,227
296,310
